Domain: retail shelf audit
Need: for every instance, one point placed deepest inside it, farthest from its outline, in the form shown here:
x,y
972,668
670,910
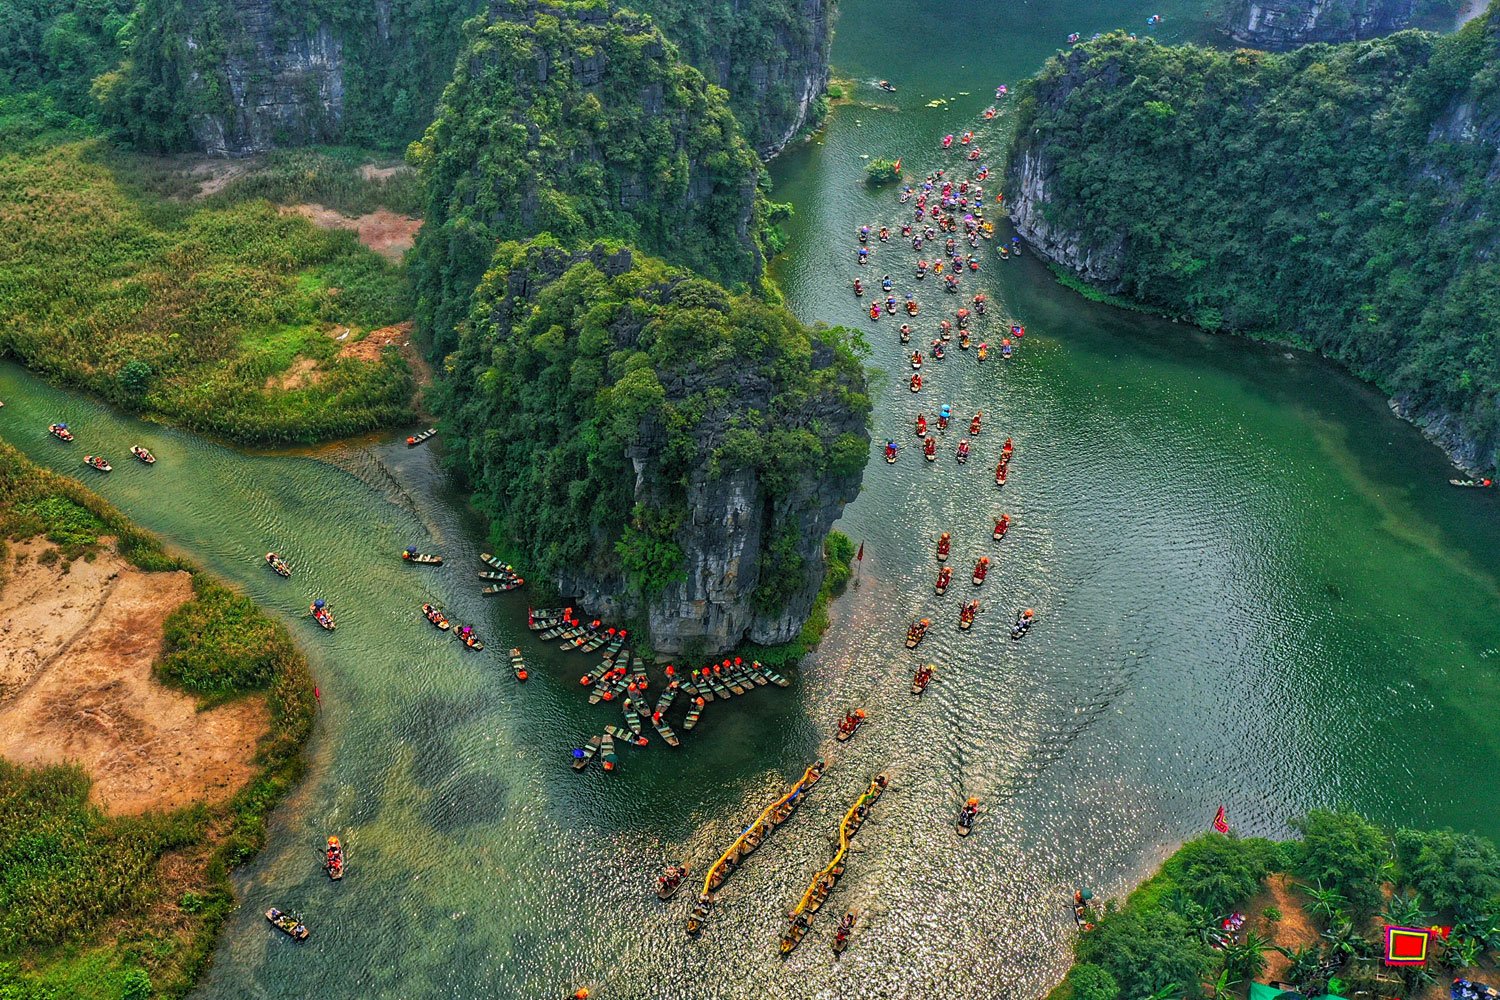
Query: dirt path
x,y
76,650
387,233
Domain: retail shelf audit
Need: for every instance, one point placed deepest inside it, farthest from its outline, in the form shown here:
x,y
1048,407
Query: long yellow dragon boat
x,y
823,882
771,817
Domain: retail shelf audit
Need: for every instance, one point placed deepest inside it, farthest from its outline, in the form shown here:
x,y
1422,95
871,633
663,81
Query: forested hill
x,y
654,445
570,118
234,78
1344,197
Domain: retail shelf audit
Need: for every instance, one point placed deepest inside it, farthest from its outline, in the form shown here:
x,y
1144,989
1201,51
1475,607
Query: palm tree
x,y
1406,911
1223,987
1460,950
1325,903
1171,991
1304,963
1246,959
1344,941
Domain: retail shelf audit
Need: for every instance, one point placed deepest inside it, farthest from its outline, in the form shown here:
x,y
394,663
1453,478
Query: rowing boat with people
x,y
694,714
773,676
518,664
585,753
626,737
632,717
770,817
501,588
278,564
416,439
415,558
432,614
823,882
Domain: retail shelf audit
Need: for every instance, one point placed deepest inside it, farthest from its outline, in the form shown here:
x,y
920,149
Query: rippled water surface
x,y
1252,587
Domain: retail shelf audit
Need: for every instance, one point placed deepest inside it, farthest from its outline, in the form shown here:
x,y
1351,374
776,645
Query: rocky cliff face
x,y
661,450
232,79
1284,24
771,58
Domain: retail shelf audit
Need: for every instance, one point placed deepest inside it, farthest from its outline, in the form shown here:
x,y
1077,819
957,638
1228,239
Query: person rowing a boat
x,y
891,449
1002,525
859,287
945,413
967,813
944,542
916,359
916,383
905,333
963,451
929,449
921,425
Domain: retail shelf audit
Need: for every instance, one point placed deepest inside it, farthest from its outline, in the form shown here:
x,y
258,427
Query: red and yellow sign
x,y
1406,945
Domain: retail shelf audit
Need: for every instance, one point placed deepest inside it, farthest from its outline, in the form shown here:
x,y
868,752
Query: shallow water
x,y
1253,587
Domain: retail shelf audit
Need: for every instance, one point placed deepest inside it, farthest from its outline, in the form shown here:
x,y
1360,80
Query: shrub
x,y
882,171
1344,851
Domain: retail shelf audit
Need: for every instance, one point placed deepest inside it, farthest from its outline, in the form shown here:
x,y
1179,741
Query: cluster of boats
x,y
824,881
333,866
500,577
98,462
621,675
744,845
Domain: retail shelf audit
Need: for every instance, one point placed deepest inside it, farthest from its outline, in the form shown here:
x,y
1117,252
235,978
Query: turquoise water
x,y
1253,587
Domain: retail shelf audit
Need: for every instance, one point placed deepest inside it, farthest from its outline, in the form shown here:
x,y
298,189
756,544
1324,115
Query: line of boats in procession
x,y
975,228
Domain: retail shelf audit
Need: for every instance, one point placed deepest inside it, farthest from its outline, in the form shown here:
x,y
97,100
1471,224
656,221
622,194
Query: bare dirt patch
x,y
303,373
387,233
368,347
76,686
214,176
1294,930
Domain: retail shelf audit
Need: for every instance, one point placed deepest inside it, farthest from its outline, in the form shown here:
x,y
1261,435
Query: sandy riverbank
x,y
76,685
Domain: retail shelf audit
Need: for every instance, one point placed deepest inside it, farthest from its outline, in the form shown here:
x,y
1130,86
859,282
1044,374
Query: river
x,y
1253,587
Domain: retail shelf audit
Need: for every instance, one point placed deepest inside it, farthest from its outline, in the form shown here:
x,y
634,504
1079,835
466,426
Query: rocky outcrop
x,y
1285,24
683,484
569,118
233,79
771,58
1030,203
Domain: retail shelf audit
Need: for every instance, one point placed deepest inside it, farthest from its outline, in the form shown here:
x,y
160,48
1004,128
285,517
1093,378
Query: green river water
x,y
1253,587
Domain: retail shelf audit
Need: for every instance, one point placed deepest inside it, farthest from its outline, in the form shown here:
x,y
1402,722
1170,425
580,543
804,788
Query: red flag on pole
x,y
860,555
1220,823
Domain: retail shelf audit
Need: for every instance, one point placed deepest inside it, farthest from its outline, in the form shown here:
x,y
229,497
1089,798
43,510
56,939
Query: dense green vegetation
x,y
194,313
574,367
838,555
1338,196
394,60
50,53
882,172
605,134
1350,876
87,910
758,52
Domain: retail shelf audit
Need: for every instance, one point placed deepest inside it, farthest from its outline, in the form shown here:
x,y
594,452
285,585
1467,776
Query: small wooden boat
x,y
669,881
607,753
718,685
333,859
921,679
495,577
278,564
794,934
142,454
731,679
615,645
741,675
758,675
321,614
598,639
593,676
534,613
966,817
61,432
1471,483
917,632
585,753
432,614
467,636
966,616
570,637
694,714
668,734
981,570
518,664
845,929
500,588
417,439
632,717
849,725
773,676
288,924
695,920
553,631
1022,625
416,558
944,576
886,86
98,462
626,737
943,547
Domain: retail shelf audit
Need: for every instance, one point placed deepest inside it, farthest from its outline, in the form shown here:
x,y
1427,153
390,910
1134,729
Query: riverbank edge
x,y
1437,424
234,832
